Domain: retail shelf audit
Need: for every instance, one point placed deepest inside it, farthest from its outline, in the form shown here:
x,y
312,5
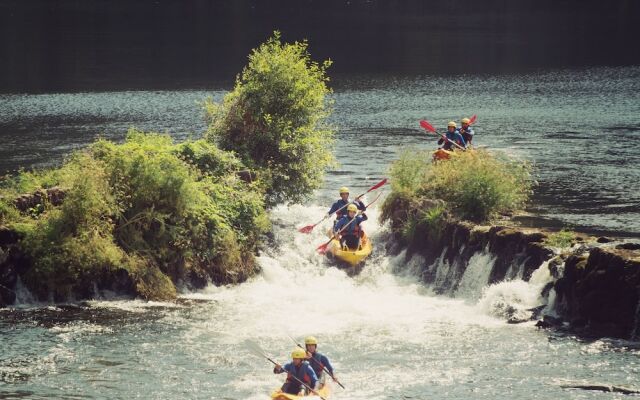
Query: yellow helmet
x,y
352,207
310,340
298,353
451,123
465,120
344,189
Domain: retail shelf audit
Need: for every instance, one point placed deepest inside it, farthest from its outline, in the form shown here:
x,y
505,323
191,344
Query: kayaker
x,y
453,134
318,361
339,206
350,237
300,369
466,131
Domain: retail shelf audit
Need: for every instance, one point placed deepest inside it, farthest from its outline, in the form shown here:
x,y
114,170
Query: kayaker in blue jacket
x,y
318,361
350,236
466,131
300,369
339,206
453,134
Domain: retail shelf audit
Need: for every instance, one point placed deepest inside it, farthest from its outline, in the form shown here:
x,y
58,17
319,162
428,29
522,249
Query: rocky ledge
x,y
596,281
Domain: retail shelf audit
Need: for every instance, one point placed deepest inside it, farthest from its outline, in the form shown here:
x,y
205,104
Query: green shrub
x,y
477,185
208,158
560,239
163,212
275,120
474,185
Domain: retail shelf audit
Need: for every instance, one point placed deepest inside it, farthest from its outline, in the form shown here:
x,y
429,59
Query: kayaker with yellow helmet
x,y
350,237
300,369
453,134
318,361
466,131
339,207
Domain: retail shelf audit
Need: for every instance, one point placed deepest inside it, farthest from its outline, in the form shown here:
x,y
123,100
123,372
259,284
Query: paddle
x,y
258,351
318,362
323,247
426,125
309,228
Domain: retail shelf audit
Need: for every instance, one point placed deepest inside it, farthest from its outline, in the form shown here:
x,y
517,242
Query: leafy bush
x,y
478,184
159,211
275,119
474,185
561,239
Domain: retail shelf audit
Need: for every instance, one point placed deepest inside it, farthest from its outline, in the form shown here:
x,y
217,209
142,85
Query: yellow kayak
x,y
353,257
279,395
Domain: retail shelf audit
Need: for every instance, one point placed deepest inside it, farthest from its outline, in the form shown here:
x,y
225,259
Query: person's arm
x,y
333,208
338,226
278,369
312,376
360,205
327,364
461,140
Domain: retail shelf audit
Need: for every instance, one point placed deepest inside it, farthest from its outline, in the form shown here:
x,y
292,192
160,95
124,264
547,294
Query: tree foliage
x,y
275,119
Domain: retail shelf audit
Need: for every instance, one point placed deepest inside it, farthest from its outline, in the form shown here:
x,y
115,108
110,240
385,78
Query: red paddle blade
x,y
473,119
427,126
306,229
377,185
323,247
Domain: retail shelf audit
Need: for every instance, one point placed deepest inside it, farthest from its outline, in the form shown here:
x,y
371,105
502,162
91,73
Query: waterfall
x,y
23,295
476,275
516,298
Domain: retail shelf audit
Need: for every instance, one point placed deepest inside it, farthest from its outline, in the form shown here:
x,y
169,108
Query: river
x,y
387,335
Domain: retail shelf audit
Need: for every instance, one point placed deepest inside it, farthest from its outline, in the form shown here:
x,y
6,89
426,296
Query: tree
x,y
275,119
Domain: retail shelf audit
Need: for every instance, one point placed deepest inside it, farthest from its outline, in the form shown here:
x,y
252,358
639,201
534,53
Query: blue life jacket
x,y
304,373
353,228
454,136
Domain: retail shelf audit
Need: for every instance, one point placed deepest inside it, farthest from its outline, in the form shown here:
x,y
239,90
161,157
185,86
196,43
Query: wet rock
x,y
602,388
549,322
628,246
54,196
599,292
604,239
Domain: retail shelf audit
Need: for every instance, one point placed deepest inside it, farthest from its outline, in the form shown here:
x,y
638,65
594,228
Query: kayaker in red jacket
x,y
350,236
300,369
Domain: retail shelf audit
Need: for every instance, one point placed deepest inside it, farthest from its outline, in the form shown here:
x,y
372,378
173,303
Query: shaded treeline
x,y
73,45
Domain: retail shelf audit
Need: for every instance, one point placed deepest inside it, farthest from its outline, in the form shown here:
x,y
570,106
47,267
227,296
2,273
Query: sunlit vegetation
x,y
561,239
473,185
275,120
148,209
145,215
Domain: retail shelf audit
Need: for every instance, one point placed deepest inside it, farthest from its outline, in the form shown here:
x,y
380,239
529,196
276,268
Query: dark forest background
x,y
72,45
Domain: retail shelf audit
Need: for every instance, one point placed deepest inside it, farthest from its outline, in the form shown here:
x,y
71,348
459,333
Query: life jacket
x,y
300,373
353,228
